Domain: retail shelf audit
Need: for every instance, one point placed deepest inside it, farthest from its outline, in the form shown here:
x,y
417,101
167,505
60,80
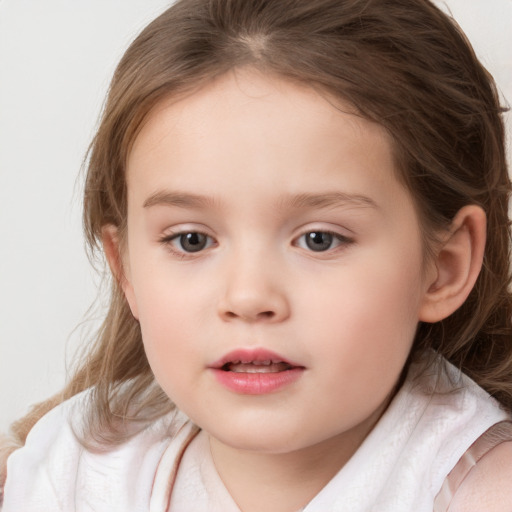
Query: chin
x,y
260,438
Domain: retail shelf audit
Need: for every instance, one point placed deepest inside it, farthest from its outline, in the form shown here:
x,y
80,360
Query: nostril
x,y
263,315
253,306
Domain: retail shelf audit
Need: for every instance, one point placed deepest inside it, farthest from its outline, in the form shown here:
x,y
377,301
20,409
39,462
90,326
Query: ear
x,y
113,252
457,265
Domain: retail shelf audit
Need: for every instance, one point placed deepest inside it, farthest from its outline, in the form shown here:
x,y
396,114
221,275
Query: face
x,y
274,262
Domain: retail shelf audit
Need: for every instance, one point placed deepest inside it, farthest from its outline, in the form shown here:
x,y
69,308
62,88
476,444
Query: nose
x,y
253,293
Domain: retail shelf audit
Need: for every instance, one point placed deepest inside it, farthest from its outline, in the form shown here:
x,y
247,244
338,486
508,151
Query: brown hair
x,y
403,64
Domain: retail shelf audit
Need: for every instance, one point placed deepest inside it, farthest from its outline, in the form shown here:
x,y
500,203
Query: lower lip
x,y
257,383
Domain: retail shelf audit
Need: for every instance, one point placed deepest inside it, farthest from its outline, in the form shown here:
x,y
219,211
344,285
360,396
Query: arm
x,y
488,486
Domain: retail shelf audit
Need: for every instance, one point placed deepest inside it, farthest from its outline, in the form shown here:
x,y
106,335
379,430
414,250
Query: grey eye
x,y
191,242
322,241
318,240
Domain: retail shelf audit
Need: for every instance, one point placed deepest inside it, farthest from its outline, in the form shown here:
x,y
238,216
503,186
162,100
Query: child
x,y
294,200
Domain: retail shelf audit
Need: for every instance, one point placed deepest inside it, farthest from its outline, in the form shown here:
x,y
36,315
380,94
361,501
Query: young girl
x,y
304,208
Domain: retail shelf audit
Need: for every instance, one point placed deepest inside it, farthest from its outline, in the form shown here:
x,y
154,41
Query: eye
x,y
189,242
321,241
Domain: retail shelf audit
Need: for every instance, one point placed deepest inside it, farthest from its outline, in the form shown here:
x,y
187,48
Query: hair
x,y
403,64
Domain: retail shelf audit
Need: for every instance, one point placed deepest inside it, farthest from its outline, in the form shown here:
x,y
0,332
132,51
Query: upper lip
x,y
252,355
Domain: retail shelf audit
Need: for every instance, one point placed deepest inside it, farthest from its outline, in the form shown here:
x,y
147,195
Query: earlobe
x,y
458,262
113,253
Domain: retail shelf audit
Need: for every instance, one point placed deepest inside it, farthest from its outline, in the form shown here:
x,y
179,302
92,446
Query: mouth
x,y
254,361
267,366
255,371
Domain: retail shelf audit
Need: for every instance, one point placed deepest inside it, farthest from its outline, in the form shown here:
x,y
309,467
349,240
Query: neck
x,y
284,482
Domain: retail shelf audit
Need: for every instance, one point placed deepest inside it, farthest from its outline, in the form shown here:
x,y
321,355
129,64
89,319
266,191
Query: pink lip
x,y
255,383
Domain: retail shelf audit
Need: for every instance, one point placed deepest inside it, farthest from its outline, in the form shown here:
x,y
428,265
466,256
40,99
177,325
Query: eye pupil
x,y
319,241
193,242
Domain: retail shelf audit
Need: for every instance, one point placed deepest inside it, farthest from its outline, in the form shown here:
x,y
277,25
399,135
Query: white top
x,y
400,466
198,480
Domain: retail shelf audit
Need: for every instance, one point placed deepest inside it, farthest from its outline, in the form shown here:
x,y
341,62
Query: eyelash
x,y
168,241
342,241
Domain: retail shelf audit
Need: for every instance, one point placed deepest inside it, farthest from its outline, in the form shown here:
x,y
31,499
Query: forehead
x,y
247,126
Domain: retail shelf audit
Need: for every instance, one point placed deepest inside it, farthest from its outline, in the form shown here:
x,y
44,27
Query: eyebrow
x,y
179,199
328,199
307,200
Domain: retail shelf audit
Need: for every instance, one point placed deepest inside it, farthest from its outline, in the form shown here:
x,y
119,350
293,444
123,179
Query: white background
x,y
56,59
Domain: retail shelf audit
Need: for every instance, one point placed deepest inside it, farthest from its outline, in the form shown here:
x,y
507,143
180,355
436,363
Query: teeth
x,y
266,362
258,367
254,369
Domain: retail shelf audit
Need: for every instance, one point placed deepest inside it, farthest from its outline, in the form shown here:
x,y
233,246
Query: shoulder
x,y
487,486
54,471
50,451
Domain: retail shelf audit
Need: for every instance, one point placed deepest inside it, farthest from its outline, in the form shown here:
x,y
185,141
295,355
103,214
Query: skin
x,y
487,486
248,144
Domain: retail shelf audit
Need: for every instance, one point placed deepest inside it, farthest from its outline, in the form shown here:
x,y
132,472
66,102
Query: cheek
x,y
172,356
369,313
164,315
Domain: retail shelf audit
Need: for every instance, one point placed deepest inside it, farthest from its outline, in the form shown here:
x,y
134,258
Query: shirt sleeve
x,y
54,472
40,475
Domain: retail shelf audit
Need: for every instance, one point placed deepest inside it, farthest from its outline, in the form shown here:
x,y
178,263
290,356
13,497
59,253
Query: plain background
x,y
56,59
